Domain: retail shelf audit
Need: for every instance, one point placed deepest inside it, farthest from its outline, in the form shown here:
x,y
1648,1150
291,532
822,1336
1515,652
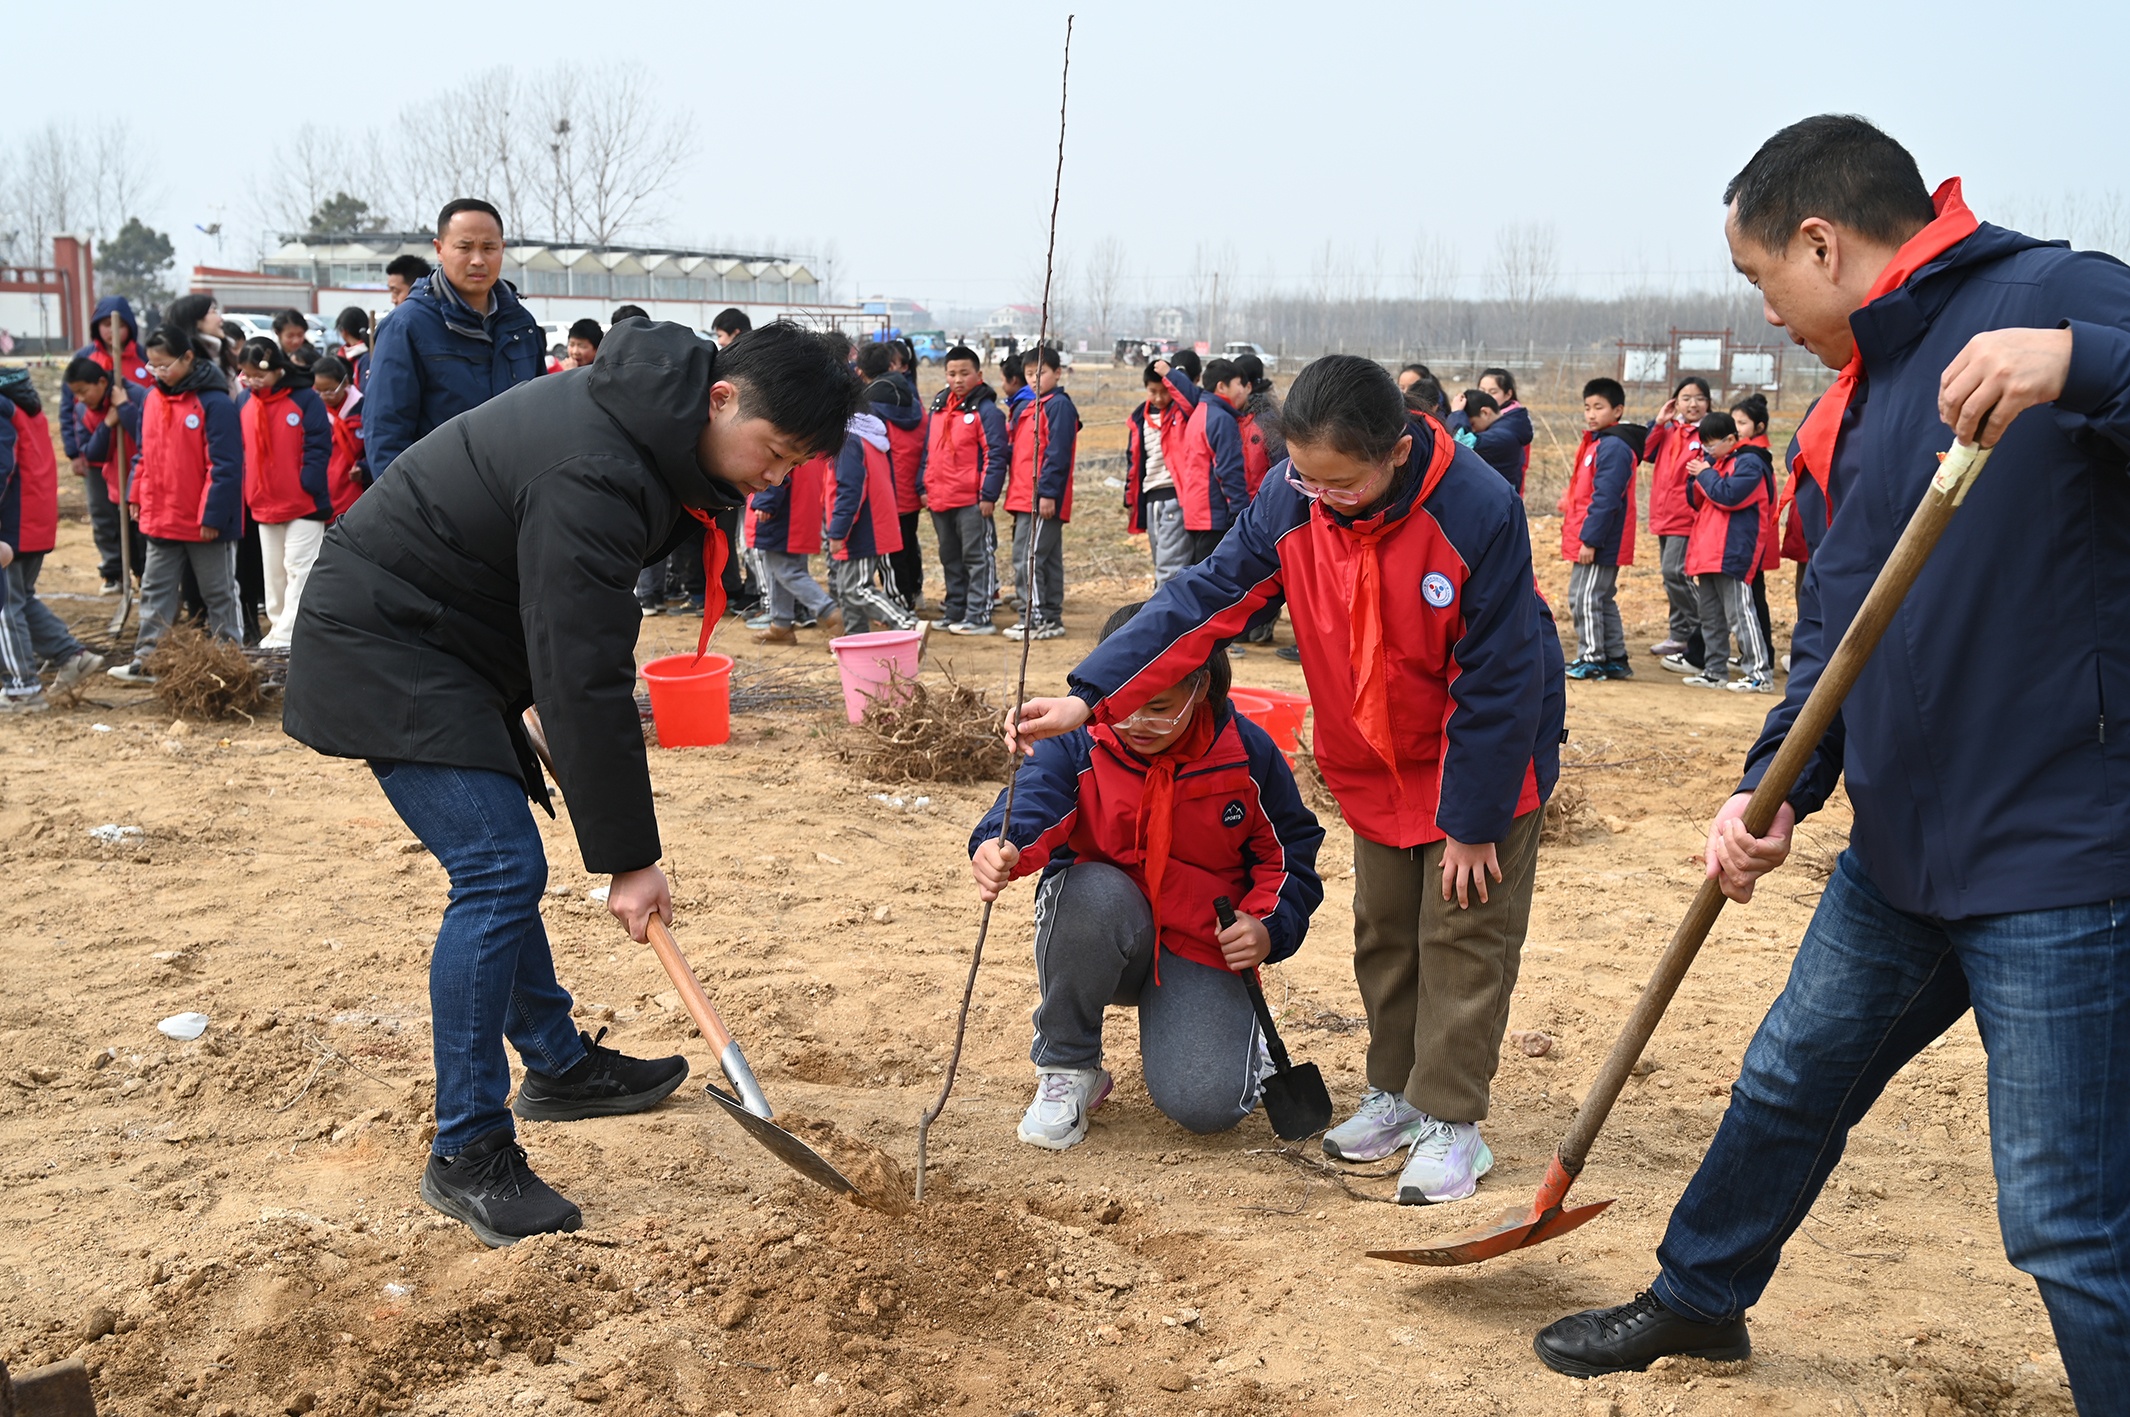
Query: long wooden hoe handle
x,y
1947,490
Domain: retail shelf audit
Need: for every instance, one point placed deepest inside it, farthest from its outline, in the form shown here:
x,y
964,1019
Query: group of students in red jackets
x,y
1713,508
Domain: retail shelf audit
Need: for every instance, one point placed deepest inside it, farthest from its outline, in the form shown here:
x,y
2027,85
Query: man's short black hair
x,y
1716,425
1837,167
627,312
1046,356
85,370
587,330
1607,389
465,204
291,320
874,360
732,321
409,268
796,379
1221,371
1187,361
962,351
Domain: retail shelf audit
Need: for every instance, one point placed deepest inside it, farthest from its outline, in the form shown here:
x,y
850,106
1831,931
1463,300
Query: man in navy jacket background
x,y
1989,867
459,338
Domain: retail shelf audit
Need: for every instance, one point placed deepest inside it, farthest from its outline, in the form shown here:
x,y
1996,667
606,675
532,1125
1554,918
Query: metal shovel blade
x,y
789,1149
1297,1103
1512,1229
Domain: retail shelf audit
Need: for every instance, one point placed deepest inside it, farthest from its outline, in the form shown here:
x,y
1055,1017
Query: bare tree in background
x,y
629,146
1105,286
322,172
65,178
469,141
1525,269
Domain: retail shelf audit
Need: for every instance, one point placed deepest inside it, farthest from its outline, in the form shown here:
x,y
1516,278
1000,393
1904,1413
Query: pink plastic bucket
x,y
870,662
691,699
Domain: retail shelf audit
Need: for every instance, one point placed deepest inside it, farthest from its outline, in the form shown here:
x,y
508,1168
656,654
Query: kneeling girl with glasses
x,y
1137,828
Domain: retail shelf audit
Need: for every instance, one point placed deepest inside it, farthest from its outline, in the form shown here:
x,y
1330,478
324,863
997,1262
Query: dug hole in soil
x,y
230,1225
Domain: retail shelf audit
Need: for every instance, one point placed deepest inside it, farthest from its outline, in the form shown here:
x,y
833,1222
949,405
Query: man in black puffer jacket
x,y
493,571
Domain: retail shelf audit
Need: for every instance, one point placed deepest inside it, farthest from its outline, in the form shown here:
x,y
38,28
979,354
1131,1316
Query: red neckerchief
x,y
1364,648
1157,809
262,401
1816,437
714,554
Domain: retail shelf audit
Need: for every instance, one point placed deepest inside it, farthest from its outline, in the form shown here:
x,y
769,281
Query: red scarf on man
x,y
1816,437
714,553
1157,809
1364,647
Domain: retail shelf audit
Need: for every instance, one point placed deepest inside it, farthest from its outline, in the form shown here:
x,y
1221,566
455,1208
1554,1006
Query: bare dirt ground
x,y
230,1226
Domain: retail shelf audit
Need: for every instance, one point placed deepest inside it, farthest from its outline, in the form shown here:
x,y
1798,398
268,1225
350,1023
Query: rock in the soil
x,y
1174,1382
1534,1042
735,1311
541,1352
300,1403
98,1322
589,1390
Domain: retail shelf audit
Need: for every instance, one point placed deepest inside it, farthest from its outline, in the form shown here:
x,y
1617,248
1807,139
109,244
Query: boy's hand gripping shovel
x,y
1296,1101
745,1104
1545,1218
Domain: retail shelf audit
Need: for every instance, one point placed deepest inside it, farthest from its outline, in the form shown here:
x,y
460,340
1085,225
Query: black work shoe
x,y
491,1188
1629,1338
604,1084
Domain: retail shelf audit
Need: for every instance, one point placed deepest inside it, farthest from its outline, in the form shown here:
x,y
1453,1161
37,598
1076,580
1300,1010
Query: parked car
x,y
259,324
1237,348
931,345
1138,349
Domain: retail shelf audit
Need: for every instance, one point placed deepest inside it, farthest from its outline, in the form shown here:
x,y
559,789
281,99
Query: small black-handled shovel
x,y
1296,1101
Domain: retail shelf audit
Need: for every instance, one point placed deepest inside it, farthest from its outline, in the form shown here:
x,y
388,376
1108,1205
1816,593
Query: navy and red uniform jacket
x,y
1212,481
192,460
1476,690
863,516
347,476
895,405
136,371
1597,506
1505,446
787,517
1256,452
1170,421
1059,435
1983,745
288,454
1671,445
964,448
1770,533
98,448
29,506
1240,830
1727,498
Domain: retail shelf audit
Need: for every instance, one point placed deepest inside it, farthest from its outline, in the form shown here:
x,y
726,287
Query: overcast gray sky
x,y
918,139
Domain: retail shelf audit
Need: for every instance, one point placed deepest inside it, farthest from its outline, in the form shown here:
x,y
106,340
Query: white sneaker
x,y
82,665
973,627
1752,684
1678,664
1706,680
1383,1125
1017,630
1064,1099
1447,1161
33,702
131,672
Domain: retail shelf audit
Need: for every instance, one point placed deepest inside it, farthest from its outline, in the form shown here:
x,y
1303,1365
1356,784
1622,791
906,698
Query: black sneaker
x,y
1618,669
1629,1338
491,1188
1291,653
604,1084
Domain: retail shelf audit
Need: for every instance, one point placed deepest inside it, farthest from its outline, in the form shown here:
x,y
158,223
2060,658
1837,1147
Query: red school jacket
x,y
1730,501
965,447
344,484
192,462
1170,424
1671,446
1059,433
288,449
1256,458
37,469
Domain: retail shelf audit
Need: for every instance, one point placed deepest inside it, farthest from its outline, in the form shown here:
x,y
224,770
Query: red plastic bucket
x,y
1282,718
691,699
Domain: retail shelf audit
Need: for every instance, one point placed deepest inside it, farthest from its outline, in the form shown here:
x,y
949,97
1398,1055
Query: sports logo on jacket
x,y
1436,590
1232,814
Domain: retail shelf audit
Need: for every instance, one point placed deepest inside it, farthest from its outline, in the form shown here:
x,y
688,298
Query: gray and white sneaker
x,y
78,668
34,702
973,627
1752,684
1447,1161
1064,1099
1678,664
1050,630
131,672
1383,1125
1706,680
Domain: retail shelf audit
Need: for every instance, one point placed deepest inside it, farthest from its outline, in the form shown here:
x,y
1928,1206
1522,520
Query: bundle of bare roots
x,y
1569,818
201,676
918,732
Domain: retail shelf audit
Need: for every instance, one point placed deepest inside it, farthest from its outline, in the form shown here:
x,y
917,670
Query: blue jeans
x,y
491,976
1871,987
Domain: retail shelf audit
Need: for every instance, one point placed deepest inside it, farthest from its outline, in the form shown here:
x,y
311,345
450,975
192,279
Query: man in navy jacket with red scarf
x,y
1989,867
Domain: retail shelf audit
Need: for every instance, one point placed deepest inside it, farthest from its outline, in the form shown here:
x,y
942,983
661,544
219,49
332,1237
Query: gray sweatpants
x,y
214,566
1049,537
1166,535
33,634
1593,599
1682,599
792,587
865,587
1198,1037
968,546
1727,611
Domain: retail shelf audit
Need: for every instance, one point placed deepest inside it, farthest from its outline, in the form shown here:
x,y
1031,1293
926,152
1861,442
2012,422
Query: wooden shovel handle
x,y
1947,490
692,996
